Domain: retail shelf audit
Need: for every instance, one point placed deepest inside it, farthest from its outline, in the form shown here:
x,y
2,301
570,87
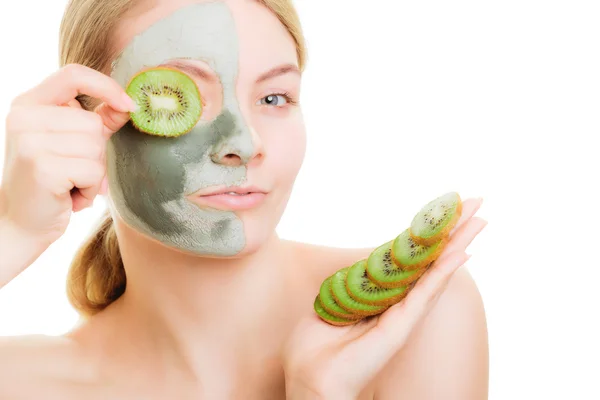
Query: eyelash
x,y
288,97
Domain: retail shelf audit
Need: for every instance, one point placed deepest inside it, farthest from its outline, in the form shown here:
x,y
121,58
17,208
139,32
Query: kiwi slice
x,y
382,270
330,319
436,219
363,290
330,305
168,102
411,256
343,299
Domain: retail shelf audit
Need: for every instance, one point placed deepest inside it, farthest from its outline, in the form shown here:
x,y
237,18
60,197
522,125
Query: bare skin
x,y
112,357
216,328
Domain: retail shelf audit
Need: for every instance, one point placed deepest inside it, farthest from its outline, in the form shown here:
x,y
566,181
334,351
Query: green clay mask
x,y
150,176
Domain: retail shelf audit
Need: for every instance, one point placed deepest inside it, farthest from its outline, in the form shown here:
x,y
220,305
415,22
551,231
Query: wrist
x,y
18,250
298,391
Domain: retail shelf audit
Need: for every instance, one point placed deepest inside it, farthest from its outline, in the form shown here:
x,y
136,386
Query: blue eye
x,y
274,100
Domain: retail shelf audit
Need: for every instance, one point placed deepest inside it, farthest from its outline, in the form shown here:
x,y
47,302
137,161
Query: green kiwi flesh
x,y
382,270
411,256
331,319
370,286
168,102
330,305
436,219
363,290
343,299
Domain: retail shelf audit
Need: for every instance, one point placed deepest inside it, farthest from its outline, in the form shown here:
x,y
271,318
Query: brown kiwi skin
x,y
167,69
426,261
386,302
397,284
443,233
337,323
358,313
352,317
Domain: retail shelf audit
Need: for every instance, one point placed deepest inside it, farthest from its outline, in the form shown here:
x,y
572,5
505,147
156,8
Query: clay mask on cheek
x,y
150,177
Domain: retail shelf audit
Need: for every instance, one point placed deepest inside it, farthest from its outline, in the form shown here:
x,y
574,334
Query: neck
x,y
192,306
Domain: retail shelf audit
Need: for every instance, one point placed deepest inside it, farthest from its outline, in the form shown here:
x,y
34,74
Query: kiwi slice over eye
x,y
343,299
330,305
436,219
382,269
168,100
363,290
411,256
330,319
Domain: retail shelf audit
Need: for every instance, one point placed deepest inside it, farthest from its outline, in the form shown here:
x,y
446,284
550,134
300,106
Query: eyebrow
x,y
193,70
278,71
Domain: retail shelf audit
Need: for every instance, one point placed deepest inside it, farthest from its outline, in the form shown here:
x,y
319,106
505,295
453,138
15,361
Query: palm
x,y
352,355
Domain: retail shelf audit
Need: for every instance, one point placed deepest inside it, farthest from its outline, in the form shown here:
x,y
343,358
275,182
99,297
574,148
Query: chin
x,y
259,230
256,228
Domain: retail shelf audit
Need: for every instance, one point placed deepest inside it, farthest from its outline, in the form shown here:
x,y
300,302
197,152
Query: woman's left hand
x,y
328,362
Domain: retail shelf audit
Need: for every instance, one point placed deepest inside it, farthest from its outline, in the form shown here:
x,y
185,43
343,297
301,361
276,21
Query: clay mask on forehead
x,y
150,176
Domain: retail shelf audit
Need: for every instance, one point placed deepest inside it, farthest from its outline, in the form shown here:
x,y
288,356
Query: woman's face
x,y
250,138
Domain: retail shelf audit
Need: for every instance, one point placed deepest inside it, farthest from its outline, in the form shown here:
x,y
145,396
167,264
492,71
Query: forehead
x,y
219,32
203,31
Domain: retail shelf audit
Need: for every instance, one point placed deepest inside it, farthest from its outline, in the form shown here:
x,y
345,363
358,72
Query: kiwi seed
x,y
436,219
382,269
343,299
363,290
169,102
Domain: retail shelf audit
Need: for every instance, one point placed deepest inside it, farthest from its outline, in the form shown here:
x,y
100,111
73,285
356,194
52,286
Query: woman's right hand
x,y
55,151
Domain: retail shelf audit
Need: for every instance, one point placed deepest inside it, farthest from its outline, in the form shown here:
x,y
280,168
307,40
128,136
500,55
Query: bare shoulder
x,y
447,355
322,261
40,366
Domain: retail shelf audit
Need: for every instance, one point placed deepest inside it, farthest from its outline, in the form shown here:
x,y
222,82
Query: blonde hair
x,y
96,276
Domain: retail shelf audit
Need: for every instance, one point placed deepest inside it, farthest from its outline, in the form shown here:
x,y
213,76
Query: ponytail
x,y
96,277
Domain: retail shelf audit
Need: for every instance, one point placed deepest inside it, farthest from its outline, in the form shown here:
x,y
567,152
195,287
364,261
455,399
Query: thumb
x,y
113,119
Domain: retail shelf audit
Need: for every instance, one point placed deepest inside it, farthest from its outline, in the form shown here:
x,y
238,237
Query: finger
x,y
73,104
433,280
112,119
77,173
73,80
54,119
395,325
79,202
74,145
104,186
463,237
469,209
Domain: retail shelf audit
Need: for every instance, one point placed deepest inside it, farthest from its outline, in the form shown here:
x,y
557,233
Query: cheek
x,y
284,143
212,101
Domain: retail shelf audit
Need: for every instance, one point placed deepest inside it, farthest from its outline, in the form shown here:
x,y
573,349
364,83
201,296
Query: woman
x,y
187,291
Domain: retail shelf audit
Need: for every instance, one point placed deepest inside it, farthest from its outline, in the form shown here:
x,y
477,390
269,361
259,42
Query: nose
x,y
229,158
239,143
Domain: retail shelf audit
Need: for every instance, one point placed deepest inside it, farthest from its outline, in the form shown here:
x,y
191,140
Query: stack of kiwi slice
x,y
168,100
371,285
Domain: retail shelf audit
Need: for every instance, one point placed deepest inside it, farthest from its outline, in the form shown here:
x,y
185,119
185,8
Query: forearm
x,y
17,251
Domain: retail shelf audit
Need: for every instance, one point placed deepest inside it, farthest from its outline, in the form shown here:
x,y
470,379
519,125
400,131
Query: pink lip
x,y
250,197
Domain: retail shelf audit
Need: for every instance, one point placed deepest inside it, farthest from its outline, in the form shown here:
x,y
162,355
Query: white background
x,y
405,101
